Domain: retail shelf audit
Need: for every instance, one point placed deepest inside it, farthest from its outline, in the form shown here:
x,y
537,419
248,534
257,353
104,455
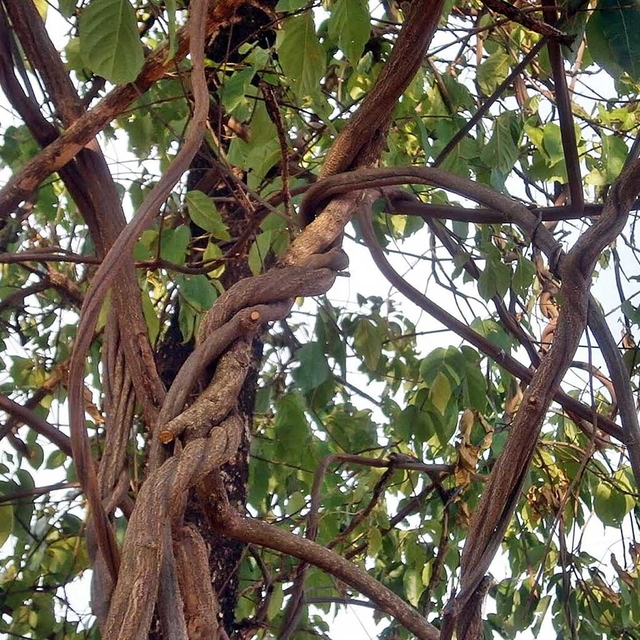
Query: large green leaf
x,y
350,27
368,342
313,369
292,428
613,35
301,54
174,243
493,71
197,291
440,392
611,505
109,40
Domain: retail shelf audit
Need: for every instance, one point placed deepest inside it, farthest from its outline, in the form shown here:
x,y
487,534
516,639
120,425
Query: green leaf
x,y
314,368
574,23
204,213
439,360
56,459
614,155
494,280
610,504
67,7
613,36
259,251
523,276
374,542
440,392
197,291
174,243
170,6
6,522
292,429
493,71
474,387
109,40
501,152
234,91
301,54
284,6
631,311
413,587
151,318
275,602
552,142
350,27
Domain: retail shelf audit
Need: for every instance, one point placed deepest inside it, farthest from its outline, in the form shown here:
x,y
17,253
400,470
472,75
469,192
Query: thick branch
x,y
371,120
160,500
502,492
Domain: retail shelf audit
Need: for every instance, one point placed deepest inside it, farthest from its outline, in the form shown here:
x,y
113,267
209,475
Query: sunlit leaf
x,y
368,341
440,392
6,522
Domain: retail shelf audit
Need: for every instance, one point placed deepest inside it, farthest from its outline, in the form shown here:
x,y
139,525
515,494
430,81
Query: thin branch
x,y
621,383
516,14
486,105
38,424
565,115
18,496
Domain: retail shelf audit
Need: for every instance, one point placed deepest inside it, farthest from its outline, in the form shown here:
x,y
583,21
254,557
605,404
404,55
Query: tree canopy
x,y
234,452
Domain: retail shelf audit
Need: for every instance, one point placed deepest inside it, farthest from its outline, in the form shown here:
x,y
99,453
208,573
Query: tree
x,y
236,465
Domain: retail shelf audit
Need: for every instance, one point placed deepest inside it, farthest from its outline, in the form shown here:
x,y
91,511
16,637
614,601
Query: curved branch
x,y
513,366
502,492
108,271
256,532
364,130
160,500
407,204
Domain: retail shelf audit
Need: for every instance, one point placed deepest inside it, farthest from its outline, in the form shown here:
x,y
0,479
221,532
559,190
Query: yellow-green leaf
x,y
6,522
440,392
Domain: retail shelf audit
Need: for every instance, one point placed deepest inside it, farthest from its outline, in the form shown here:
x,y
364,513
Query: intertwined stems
x,y
306,257
106,274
